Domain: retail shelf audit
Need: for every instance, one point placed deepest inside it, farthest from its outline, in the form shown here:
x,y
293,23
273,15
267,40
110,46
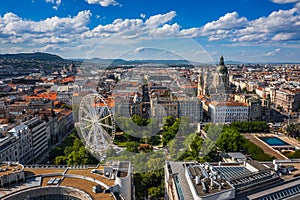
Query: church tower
x,y
201,83
207,83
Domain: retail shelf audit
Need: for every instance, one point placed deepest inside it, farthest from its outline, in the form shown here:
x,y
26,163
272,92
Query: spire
x,y
222,60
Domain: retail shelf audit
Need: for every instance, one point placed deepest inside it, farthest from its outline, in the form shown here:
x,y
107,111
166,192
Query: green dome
x,y
222,69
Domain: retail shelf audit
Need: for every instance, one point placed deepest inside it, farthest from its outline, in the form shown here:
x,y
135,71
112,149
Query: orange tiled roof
x,y
68,79
52,96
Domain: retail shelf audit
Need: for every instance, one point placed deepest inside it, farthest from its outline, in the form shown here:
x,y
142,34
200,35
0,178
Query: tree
x,y
170,129
73,152
60,160
139,120
68,150
293,130
168,121
150,184
132,147
154,192
213,131
251,127
230,140
195,146
155,140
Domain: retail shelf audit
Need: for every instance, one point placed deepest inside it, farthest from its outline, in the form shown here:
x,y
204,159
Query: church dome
x,y
221,68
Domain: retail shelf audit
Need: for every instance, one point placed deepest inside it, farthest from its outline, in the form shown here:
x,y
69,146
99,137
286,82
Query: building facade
x,y
164,106
226,112
215,84
23,144
287,100
39,137
191,108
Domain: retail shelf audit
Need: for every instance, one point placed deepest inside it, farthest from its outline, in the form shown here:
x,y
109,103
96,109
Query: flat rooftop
x,y
86,186
123,169
231,172
291,189
205,184
82,179
10,168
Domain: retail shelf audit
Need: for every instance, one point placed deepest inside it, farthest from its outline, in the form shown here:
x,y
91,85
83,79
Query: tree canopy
x,y
230,140
72,152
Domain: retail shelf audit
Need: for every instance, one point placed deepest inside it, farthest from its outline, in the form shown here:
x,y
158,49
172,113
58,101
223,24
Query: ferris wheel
x,y
96,124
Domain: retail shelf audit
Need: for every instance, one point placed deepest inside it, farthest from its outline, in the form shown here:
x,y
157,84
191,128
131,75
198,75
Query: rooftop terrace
x,y
10,168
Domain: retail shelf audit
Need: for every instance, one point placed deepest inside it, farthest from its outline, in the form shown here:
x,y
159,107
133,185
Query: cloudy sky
x,y
199,30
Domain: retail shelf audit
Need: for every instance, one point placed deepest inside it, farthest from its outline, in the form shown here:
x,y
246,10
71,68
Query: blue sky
x,y
199,30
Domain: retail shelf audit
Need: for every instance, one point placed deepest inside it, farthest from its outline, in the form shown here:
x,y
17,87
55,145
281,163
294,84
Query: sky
x,y
197,30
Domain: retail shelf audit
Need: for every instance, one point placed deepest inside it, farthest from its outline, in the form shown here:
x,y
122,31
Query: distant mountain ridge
x,y
135,62
228,62
33,56
40,56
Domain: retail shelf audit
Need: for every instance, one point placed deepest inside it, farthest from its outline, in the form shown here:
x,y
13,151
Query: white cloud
x,y
160,19
16,30
282,23
56,2
119,26
142,16
224,27
68,33
104,3
272,53
165,31
226,22
156,26
279,25
99,17
138,50
191,32
221,34
284,1
284,36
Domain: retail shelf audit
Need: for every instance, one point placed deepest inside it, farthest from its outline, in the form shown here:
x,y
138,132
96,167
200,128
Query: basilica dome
x,y
221,68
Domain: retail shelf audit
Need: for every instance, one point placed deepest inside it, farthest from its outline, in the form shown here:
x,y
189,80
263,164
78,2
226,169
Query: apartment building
x,y
287,100
192,108
222,112
8,148
164,106
23,143
255,105
39,137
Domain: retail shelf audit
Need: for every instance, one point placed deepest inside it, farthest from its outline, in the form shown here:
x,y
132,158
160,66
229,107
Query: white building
x,y
124,180
190,180
39,138
11,172
23,143
30,141
8,148
222,112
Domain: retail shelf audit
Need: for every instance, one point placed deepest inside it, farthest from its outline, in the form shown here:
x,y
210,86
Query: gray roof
x,y
236,155
177,168
16,129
